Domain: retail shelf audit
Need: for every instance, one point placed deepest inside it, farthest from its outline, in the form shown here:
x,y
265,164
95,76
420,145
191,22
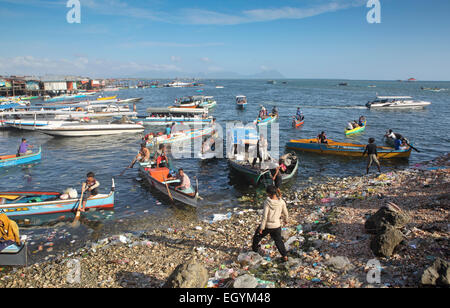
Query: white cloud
x,y
29,65
202,16
205,59
175,59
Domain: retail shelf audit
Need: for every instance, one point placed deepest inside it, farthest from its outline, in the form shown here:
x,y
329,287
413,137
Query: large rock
x,y
387,216
188,275
383,244
437,274
245,282
339,263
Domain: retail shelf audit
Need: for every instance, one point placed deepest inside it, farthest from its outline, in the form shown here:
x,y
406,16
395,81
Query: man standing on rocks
x,y
271,222
371,150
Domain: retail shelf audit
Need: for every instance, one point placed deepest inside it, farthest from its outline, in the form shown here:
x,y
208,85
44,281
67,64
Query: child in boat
x,y
274,208
349,126
89,189
9,232
24,148
161,156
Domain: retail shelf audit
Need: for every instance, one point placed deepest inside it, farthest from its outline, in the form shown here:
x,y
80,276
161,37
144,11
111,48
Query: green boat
x,y
356,130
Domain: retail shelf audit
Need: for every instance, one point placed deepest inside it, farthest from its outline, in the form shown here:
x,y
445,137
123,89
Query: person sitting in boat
x,y
404,146
355,124
275,111
185,183
361,120
161,157
144,154
349,126
391,134
89,189
9,232
24,148
322,138
299,114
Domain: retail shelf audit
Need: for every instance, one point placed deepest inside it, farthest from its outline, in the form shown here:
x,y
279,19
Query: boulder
x,y
387,216
188,275
245,282
438,274
339,263
383,244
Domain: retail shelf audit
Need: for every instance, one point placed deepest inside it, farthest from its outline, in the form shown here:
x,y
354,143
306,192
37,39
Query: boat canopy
x,y
244,135
393,97
177,110
10,106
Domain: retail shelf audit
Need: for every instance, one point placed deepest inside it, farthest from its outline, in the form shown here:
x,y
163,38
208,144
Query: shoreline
x,y
326,221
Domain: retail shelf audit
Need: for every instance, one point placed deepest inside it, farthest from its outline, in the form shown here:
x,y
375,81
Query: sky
x,y
227,38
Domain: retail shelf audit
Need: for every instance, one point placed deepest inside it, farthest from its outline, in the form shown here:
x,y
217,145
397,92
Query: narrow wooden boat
x,y
356,130
257,176
271,118
158,179
21,205
13,160
106,98
297,123
344,149
14,255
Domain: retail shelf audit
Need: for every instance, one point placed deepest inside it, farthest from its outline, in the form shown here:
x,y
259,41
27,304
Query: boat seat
x,y
160,174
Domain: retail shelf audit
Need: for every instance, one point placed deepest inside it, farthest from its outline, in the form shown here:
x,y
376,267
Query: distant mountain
x,y
266,74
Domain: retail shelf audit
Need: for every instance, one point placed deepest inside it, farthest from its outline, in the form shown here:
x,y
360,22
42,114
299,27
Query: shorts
x,y
88,194
373,159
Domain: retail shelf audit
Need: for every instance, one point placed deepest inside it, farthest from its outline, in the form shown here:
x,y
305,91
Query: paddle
x,y
412,147
167,187
129,167
78,215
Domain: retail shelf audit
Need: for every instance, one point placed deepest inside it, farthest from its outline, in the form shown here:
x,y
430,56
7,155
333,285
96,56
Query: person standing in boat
x,y
261,151
275,111
89,189
24,148
371,150
322,138
274,208
299,114
168,130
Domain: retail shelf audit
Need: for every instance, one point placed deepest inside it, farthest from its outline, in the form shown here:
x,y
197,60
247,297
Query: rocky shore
x,y
333,237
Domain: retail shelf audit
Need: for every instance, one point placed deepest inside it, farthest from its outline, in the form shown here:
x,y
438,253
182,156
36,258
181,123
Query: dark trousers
x,y
275,234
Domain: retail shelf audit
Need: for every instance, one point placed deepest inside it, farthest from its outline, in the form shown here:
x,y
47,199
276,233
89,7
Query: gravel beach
x,y
326,238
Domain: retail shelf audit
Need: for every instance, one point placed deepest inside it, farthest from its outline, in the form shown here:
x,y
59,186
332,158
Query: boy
x,y
89,189
371,150
271,222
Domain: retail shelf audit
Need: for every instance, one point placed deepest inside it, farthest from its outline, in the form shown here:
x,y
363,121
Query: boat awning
x,y
177,110
244,135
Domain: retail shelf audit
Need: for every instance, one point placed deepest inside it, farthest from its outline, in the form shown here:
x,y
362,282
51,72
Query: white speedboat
x,y
68,129
396,102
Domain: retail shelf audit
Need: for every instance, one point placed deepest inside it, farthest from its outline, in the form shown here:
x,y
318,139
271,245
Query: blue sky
x,y
298,38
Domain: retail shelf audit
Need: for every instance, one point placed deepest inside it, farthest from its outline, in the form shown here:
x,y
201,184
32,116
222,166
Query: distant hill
x,y
266,74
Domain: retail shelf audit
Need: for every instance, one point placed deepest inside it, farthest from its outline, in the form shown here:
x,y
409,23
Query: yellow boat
x,y
356,130
344,149
106,98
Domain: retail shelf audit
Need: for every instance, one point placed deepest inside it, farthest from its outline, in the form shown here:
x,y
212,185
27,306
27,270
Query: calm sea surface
x,y
326,106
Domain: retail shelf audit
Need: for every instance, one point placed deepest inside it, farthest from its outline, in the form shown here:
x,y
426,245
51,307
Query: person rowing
x,y
89,189
299,114
144,154
24,148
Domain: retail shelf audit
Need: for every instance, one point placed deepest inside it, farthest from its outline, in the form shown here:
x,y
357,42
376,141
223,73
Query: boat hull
x,y
356,130
344,149
12,160
161,187
184,136
90,130
22,210
266,121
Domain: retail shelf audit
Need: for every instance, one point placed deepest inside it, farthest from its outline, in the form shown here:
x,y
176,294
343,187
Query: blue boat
x,y
271,118
13,160
25,204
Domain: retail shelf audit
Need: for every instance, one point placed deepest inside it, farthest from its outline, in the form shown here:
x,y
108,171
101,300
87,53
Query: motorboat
x,y
396,102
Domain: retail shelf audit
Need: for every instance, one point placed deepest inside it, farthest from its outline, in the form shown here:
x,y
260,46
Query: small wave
x,y
335,107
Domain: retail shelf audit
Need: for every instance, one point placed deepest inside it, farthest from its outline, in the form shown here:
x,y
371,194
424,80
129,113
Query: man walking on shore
x,y
371,150
271,222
